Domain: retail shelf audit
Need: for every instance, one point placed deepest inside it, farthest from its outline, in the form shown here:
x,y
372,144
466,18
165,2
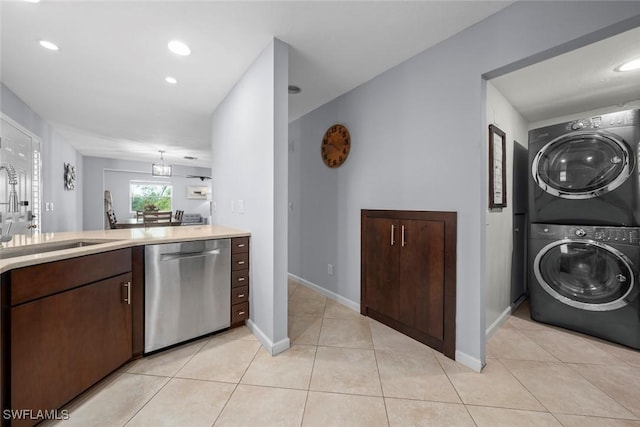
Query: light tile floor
x,y
347,370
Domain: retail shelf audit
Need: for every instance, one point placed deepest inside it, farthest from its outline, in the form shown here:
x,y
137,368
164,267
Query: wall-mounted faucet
x,y
13,181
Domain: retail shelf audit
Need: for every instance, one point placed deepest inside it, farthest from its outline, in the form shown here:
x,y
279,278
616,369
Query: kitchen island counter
x,y
44,244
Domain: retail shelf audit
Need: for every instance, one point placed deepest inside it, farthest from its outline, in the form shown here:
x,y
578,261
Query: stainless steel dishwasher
x,y
187,291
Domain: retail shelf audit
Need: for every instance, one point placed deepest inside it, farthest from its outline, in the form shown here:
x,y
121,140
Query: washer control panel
x,y
611,120
626,235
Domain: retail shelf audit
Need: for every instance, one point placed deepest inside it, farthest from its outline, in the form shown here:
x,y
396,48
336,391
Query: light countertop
x,y
109,240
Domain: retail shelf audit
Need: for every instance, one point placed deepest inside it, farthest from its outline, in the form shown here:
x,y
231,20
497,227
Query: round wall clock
x,y
336,143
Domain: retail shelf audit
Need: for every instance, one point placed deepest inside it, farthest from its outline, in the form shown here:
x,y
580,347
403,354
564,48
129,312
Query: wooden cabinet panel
x,y
422,275
40,280
62,344
240,261
239,313
408,274
239,295
240,245
239,280
381,256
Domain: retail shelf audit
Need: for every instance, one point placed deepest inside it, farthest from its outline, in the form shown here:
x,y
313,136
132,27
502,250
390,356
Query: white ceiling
x,y
104,90
577,81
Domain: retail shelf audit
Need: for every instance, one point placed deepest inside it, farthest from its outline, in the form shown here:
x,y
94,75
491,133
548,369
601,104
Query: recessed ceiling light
x,y
32,1
48,45
629,66
179,48
171,80
294,89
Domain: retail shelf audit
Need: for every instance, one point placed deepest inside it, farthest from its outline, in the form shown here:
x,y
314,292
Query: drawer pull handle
x,y
240,262
240,295
241,245
127,286
240,279
240,313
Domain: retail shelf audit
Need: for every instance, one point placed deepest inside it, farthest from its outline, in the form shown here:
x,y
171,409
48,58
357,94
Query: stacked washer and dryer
x,y
584,241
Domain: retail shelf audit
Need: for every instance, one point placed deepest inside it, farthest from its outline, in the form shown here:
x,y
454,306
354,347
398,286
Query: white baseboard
x,y
329,294
270,346
469,361
497,323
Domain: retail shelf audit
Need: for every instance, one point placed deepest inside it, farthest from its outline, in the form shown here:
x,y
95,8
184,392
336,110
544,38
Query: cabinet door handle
x,y
240,262
127,299
240,295
240,279
393,230
241,245
240,313
403,241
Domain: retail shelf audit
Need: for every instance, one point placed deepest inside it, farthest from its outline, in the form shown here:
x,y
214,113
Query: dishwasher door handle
x,y
183,255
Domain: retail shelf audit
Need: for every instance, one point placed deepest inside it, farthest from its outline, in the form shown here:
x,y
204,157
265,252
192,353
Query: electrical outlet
x,y
241,206
47,207
330,269
51,205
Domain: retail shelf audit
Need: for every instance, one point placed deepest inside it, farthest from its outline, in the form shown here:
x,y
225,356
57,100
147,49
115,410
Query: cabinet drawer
x,y
240,261
239,295
239,312
240,278
36,281
239,245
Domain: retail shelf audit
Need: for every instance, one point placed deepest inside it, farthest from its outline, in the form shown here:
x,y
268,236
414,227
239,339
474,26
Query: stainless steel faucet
x,y
6,237
13,181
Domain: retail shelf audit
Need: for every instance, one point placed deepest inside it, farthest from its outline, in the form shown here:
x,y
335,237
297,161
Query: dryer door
x,y
582,165
585,274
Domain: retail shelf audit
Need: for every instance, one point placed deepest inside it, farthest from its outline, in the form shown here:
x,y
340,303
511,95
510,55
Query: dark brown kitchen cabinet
x,y
64,329
408,277
239,280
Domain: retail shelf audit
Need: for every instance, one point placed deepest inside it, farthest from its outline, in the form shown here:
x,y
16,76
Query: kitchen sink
x,y
47,247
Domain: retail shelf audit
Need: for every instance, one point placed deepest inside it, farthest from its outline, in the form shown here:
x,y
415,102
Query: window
x,y
150,195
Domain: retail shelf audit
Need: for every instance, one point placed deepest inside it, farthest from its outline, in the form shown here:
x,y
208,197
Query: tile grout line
x,y
148,400
456,390
524,386
375,357
306,399
622,405
236,386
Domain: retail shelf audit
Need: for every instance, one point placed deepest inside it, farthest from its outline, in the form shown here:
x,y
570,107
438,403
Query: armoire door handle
x,y
402,237
393,229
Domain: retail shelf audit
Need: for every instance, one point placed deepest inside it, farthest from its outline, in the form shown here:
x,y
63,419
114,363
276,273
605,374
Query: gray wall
x,y
249,151
419,142
111,174
68,207
499,222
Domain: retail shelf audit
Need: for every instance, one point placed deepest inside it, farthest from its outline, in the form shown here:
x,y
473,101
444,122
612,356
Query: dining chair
x,y
139,214
157,219
111,217
177,218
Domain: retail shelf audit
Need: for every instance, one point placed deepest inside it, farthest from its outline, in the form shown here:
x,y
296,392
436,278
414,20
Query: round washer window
x,y
586,275
582,165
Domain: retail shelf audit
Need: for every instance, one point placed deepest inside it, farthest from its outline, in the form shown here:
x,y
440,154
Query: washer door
x,y
582,165
585,274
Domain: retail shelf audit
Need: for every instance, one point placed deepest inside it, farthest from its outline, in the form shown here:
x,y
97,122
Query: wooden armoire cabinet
x,y
408,279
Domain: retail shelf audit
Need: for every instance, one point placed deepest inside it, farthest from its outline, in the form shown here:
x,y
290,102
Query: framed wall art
x,y
197,192
497,168
69,176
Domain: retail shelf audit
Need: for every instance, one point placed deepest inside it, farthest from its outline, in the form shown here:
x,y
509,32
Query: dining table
x,y
138,222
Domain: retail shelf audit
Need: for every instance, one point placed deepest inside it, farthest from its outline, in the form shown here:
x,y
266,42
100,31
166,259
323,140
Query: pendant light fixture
x,y
161,169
